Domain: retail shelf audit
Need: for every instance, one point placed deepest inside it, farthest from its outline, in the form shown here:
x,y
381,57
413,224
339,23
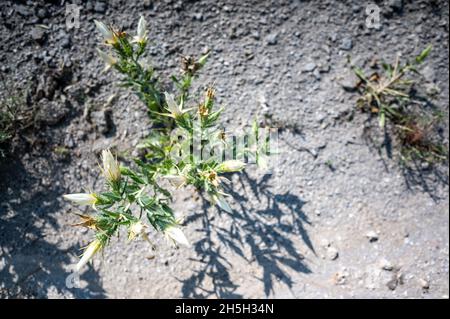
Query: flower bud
x,y
210,95
175,110
203,110
231,166
111,168
82,198
108,59
108,34
172,106
141,36
89,252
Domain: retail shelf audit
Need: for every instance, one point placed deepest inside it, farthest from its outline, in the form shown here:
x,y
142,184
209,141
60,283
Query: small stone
x,y
102,120
340,278
23,10
333,37
100,7
332,253
372,236
325,69
38,34
356,8
148,4
316,74
386,265
346,44
69,141
429,74
256,35
425,166
309,67
42,13
272,39
349,81
65,42
198,16
392,284
396,5
424,284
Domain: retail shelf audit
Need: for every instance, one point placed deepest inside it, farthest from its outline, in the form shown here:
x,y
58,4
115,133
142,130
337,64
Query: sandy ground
x,y
337,218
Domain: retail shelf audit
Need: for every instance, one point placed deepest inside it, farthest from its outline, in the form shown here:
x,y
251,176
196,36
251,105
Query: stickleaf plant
x,y
186,147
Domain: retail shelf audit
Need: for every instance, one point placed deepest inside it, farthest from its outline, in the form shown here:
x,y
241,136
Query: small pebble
x,y
372,236
424,284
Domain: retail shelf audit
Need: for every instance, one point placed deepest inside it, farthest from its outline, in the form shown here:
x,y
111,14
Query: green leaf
x,y
360,73
388,68
212,118
175,80
203,59
128,172
423,55
255,129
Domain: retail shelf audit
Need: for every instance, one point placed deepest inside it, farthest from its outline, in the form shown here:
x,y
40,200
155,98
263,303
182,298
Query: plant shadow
x,y
264,233
32,264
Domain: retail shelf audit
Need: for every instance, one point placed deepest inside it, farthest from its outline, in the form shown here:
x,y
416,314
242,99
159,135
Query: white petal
x,y
141,28
176,234
171,104
231,166
104,30
111,168
108,59
88,254
81,198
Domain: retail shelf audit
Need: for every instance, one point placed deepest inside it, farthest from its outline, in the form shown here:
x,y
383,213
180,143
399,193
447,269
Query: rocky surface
x,y
336,218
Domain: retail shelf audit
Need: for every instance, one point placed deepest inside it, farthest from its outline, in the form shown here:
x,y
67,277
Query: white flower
x,y
111,168
107,33
172,106
108,59
82,198
90,251
175,109
136,229
176,180
177,235
231,166
141,36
